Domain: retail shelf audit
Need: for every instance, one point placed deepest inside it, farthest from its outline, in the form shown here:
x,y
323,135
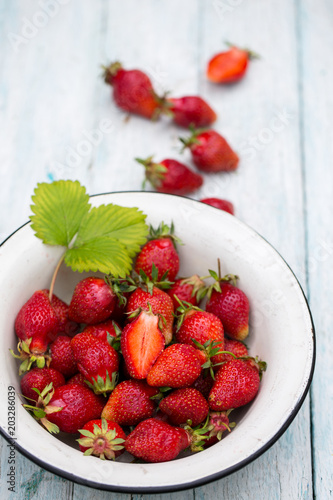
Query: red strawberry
x,y
187,290
130,402
236,384
210,151
183,405
93,301
171,176
231,305
156,441
200,326
77,405
107,330
161,305
217,424
191,111
37,321
204,383
178,366
161,252
61,309
236,347
229,66
62,358
78,378
225,205
97,361
141,343
39,378
102,438
133,91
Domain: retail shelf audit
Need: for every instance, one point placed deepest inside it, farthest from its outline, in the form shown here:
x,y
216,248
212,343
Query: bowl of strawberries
x,y
143,340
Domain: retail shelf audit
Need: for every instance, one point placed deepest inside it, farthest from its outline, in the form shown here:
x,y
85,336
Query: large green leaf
x,y
59,208
123,224
100,254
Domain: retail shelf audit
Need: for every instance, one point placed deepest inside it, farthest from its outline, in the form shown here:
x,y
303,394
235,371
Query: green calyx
x,y
193,138
42,408
102,442
143,281
29,358
251,54
102,385
154,172
183,309
109,72
217,277
164,231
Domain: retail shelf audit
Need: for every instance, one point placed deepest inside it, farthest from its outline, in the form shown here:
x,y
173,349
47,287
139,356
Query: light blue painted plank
x,y
316,40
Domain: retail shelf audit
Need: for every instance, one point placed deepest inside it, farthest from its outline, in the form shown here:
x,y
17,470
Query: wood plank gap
x,y
300,75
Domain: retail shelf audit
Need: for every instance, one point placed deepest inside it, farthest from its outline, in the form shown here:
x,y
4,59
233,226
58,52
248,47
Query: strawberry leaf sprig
x,y
104,238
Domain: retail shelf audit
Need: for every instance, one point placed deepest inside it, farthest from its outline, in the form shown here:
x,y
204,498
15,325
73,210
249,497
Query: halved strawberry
x,y
141,343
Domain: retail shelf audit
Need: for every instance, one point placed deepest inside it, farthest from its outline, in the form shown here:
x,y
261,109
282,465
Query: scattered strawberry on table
x,y
210,151
191,111
229,66
170,176
161,378
225,205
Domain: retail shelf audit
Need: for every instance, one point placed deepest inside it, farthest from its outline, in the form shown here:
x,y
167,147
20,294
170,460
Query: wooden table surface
x,y
58,121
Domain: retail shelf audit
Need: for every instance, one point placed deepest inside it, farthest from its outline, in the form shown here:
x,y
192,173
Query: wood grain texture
x,y
315,39
59,121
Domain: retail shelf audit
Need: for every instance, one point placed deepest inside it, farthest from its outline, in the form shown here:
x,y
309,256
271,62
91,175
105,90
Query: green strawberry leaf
x,y
103,238
58,208
118,223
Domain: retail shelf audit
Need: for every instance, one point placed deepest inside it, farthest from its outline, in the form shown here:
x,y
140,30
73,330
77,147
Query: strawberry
x,y
231,305
198,326
186,289
238,348
236,384
177,366
62,358
61,309
229,66
102,438
97,361
225,205
133,91
141,343
78,378
92,302
217,424
156,441
36,325
130,402
108,331
190,111
210,151
183,405
78,405
39,378
171,176
161,305
37,322
204,383
159,250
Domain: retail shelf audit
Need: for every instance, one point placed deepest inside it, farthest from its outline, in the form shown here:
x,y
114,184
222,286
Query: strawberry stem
x,y
55,275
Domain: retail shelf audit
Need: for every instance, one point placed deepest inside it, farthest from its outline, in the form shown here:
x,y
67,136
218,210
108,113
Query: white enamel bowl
x,y
281,333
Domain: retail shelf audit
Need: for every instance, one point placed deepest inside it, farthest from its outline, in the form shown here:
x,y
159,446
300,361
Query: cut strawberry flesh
x,y
141,343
